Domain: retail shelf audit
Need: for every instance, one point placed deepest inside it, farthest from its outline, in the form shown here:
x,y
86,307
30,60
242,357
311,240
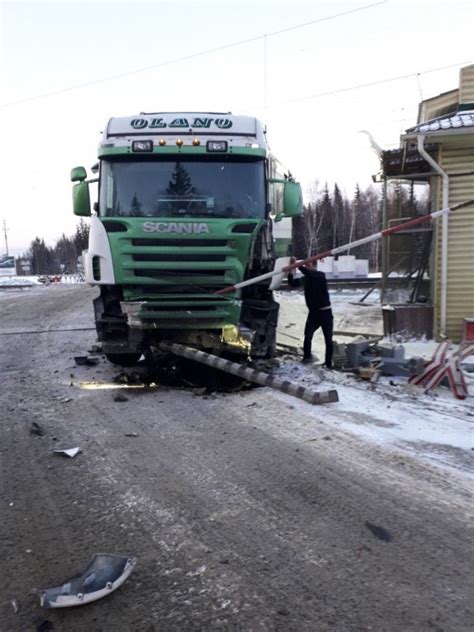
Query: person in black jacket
x,y
319,311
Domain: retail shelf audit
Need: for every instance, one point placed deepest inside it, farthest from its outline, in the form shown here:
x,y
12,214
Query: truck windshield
x,y
183,187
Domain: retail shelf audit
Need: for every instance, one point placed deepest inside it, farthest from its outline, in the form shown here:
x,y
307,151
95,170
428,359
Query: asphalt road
x,y
244,512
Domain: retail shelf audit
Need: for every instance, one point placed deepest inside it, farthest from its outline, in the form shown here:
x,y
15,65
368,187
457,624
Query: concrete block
x,y
362,267
346,264
325,265
388,350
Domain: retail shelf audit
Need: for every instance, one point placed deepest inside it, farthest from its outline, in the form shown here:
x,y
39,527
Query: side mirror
x,y
81,202
293,203
78,174
287,198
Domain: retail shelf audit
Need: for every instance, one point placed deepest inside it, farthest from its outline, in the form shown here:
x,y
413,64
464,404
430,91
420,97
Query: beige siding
x,y
466,85
460,294
431,108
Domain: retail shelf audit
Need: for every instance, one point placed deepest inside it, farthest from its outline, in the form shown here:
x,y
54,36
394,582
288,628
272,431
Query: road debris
x,y
14,604
120,397
36,429
86,360
445,366
95,349
131,434
104,574
43,625
380,532
71,452
251,375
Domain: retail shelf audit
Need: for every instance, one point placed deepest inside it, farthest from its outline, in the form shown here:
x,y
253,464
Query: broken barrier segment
x,y
446,365
104,574
258,377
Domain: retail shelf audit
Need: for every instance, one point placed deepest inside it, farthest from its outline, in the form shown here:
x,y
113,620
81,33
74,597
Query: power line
x,y
192,55
368,85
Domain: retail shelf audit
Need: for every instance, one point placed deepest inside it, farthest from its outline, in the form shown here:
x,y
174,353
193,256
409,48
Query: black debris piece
x,y
86,360
380,532
36,429
120,397
43,625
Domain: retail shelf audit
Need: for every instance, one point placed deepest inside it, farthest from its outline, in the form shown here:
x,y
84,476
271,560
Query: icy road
x,y
246,511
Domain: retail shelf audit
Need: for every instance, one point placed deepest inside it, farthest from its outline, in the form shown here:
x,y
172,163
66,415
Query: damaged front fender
x,y
104,574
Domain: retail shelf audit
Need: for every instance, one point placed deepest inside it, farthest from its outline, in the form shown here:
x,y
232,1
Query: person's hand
x,y
293,260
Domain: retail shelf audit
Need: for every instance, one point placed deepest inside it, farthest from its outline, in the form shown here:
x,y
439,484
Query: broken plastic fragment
x,y
104,574
68,452
86,360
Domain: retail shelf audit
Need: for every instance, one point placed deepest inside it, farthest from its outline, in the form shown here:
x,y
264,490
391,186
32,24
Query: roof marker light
x,y
196,142
161,142
179,142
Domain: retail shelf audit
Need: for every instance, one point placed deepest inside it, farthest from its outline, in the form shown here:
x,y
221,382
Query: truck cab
x,y
186,206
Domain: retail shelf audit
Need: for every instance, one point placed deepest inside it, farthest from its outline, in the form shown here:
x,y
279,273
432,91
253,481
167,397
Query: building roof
x,y
460,121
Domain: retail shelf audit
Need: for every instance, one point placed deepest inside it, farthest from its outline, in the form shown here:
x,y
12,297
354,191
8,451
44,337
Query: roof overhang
x,y
435,136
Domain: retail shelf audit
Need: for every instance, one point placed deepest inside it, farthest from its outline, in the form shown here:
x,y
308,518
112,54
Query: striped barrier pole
x,y
335,251
258,377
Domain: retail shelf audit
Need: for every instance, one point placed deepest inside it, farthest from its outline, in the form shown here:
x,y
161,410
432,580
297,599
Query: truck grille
x,y
174,277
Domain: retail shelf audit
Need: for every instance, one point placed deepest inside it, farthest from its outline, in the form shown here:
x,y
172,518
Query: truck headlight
x,y
216,145
142,145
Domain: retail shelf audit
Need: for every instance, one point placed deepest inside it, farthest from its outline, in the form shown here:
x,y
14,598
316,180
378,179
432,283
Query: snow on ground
x,y
25,281
435,427
32,281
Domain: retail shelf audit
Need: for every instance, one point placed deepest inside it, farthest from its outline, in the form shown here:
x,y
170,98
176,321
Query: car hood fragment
x,y
104,574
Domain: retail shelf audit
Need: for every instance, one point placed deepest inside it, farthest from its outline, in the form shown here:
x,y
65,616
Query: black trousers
x,y
319,318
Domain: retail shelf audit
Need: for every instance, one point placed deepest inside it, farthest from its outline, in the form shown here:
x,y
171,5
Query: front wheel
x,y
123,359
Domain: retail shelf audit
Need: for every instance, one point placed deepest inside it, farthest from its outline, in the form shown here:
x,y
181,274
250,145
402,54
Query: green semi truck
x,y
186,206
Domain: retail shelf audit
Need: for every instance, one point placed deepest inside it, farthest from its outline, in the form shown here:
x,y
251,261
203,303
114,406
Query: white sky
x,y
51,46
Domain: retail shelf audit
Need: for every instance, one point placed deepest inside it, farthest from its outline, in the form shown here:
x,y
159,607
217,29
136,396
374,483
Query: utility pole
x,y
5,230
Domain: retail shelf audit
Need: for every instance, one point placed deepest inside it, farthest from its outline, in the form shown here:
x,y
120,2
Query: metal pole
x,y
258,377
335,251
385,244
5,233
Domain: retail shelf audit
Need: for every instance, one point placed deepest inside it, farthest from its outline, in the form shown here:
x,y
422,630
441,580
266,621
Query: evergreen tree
x,y
180,183
135,206
81,237
40,257
66,254
339,218
326,222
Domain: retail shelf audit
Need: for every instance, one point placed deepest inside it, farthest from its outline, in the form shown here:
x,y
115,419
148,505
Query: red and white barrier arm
x,y
352,244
